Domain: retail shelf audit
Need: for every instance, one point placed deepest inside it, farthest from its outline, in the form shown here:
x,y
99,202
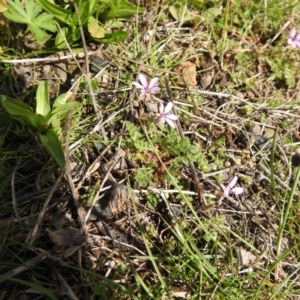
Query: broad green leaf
x,y
58,113
180,13
64,108
95,29
42,99
93,6
113,37
16,12
122,9
62,99
29,14
51,143
210,14
45,21
22,113
70,34
39,33
115,24
86,10
65,33
62,15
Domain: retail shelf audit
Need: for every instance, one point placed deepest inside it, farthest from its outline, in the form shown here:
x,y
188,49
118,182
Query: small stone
x,y
256,129
296,158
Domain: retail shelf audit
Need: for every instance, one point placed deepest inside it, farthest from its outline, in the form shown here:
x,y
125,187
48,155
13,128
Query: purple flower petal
x,y
225,190
155,89
233,182
143,80
237,190
161,108
153,83
170,122
230,190
138,85
172,117
162,120
168,107
293,33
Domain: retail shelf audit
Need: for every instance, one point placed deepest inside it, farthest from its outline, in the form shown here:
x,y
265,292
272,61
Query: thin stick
x,y
14,197
97,111
30,263
50,58
70,49
69,292
31,234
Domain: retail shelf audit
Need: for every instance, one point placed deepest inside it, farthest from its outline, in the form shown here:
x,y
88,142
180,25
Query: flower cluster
x,y
294,39
165,115
230,189
147,89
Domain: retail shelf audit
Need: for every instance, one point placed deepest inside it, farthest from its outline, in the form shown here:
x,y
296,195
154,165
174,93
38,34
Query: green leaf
x,y
58,112
62,15
86,9
16,12
42,99
62,99
210,14
64,108
51,143
113,37
70,34
22,113
180,13
29,14
95,29
122,9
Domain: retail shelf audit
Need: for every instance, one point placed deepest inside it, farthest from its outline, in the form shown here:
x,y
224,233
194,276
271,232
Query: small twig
x,y
80,210
31,234
51,58
30,263
14,197
277,35
198,113
69,292
122,243
97,111
70,49
283,184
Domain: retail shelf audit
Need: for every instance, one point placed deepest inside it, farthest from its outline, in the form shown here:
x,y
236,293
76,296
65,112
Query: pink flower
x,y
230,190
165,115
146,88
294,39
